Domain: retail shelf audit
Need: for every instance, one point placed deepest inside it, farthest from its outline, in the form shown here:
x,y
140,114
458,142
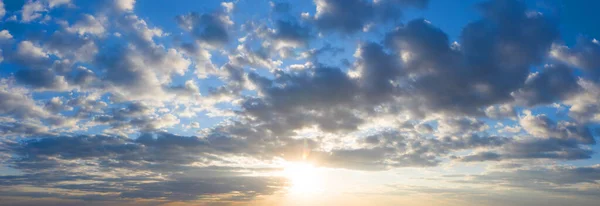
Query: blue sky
x,y
316,102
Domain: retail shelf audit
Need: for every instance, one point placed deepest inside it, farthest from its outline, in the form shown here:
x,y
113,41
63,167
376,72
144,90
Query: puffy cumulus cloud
x,y
88,24
501,111
542,126
201,59
32,10
423,74
54,3
584,105
5,35
127,73
354,15
144,68
27,50
289,33
40,71
52,59
554,83
483,71
377,72
228,6
124,5
294,100
18,104
210,29
71,47
21,115
583,55
41,79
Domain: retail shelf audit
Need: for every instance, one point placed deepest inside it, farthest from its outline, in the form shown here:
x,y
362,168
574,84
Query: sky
x,y
289,102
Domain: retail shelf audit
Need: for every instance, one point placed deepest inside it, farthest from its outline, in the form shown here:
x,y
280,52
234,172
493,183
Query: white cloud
x,y
228,6
55,3
32,11
124,5
5,35
29,50
2,10
88,24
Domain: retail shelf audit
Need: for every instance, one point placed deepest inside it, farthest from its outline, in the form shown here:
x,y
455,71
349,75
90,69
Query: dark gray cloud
x,y
309,90
554,83
21,129
353,15
483,70
41,79
290,33
583,55
140,71
160,160
536,148
211,29
20,106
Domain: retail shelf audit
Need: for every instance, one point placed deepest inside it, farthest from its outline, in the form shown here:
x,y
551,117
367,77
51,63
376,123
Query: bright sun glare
x,y
303,178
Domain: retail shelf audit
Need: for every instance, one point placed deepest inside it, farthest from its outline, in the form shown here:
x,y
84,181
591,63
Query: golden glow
x,y
304,178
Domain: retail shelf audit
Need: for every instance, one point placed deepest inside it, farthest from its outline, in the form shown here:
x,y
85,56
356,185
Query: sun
x,y
304,178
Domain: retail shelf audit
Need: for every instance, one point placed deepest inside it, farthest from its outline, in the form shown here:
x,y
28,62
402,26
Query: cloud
x,y
210,29
554,83
352,16
100,104
141,71
501,111
584,105
164,158
19,105
534,148
88,24
32,10
452,79
27,49
2,10
41,79
582,55
290,34
541,176
54,3
21,129
542,126
124,5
